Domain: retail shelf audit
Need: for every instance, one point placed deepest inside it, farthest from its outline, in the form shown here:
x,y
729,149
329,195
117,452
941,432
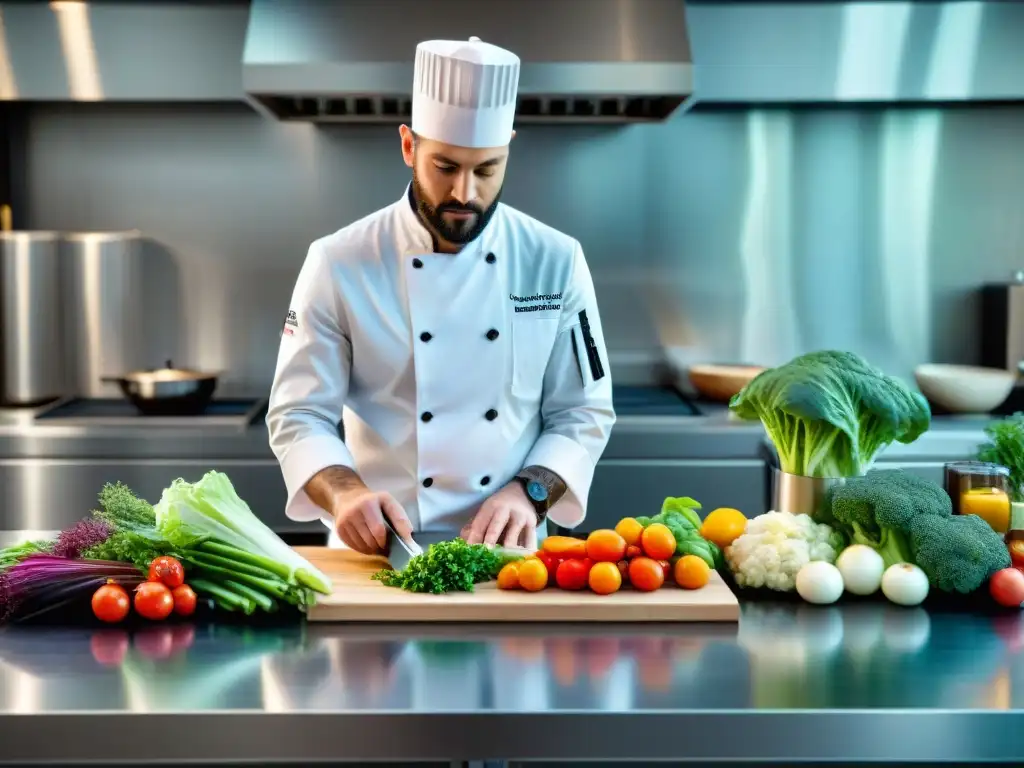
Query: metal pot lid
x,y
167,373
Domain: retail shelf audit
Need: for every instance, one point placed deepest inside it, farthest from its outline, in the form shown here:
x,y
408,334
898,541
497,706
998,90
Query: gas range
x,y
115,412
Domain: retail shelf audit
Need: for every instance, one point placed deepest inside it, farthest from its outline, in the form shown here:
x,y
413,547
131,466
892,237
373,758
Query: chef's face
x,y
456,188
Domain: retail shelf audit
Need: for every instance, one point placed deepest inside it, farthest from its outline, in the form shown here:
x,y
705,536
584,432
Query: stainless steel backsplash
x,y
726,236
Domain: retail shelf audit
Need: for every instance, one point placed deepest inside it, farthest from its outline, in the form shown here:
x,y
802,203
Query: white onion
x,y
905,584
862,569
819,582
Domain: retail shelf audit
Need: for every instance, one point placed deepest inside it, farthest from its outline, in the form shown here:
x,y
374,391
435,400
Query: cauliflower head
x,y
776,545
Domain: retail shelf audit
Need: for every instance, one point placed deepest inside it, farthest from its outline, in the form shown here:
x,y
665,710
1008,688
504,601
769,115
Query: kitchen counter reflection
x,y
784,657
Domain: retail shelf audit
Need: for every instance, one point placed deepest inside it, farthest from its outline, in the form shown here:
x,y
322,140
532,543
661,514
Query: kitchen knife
x,y
401,552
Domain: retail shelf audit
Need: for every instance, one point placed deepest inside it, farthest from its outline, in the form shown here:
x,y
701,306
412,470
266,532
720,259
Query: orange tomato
x,y
605,545
630,529
533,575
723,526
691,572
564,546
508,576
658,542
605,578
646,574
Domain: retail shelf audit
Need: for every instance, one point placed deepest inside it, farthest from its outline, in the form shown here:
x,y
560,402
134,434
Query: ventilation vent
x,y
530,109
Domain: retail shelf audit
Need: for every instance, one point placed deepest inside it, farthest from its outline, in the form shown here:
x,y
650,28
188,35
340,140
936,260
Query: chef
x,y
442,363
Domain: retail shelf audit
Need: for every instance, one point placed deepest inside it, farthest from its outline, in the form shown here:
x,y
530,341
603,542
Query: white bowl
x,y
964,388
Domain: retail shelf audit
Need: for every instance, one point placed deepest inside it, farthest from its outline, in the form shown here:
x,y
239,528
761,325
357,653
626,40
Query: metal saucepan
x,y
167,391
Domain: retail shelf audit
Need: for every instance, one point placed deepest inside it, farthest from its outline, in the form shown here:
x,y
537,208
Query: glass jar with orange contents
x,y
982,489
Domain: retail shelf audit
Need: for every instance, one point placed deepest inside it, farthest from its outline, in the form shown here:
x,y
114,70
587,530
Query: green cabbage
x,y
829,414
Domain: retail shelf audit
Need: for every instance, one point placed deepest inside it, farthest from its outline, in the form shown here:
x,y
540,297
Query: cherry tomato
x,y
153,601
646,574
167,571
624,570
633,551
551,562
1016,547
572,574
184,600
110,603
1007,587
666,566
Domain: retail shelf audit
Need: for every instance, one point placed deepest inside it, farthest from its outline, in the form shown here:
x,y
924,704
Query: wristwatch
x,y
542,487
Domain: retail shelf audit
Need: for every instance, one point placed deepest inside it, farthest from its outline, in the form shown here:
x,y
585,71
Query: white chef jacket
x,y
449,372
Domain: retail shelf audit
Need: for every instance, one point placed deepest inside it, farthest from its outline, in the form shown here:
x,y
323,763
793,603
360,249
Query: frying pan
x,y
167,391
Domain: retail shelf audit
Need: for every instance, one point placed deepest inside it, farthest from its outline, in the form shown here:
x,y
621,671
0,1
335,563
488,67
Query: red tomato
x,y
1016,547
1007,587
110,603
666,566
167,571
633,551
551,562
153,601
573,574
184,600
624,570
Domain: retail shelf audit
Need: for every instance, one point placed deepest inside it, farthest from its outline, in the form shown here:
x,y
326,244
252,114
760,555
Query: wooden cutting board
x,y
358,598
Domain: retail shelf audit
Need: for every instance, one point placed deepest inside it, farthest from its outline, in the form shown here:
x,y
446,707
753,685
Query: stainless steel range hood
x,y
583,61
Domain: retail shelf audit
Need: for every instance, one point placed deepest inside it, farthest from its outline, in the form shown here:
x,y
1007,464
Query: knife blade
x,y
400,552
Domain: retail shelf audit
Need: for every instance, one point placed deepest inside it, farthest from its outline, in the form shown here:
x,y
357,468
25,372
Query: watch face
x,y
536,491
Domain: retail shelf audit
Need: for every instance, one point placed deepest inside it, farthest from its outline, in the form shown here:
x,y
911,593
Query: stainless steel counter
x,y
795,683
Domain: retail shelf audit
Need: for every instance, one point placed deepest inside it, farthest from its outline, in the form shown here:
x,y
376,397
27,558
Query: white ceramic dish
x,y
964,388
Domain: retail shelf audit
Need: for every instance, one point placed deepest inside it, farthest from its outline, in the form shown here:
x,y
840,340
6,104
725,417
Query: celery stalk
x,y
275,587
204,559
225,598
261,600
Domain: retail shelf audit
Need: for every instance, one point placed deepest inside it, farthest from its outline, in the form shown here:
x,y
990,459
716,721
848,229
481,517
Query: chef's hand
x,y
507,518
359,519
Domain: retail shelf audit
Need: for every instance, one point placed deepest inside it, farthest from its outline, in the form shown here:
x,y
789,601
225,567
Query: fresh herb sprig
x,y
448,566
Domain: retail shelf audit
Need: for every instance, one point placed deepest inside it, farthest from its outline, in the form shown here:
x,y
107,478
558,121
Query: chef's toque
x,y
464,93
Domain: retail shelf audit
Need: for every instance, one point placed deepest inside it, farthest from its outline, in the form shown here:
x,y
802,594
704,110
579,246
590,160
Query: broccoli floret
x,y
880,509
957,553
829,413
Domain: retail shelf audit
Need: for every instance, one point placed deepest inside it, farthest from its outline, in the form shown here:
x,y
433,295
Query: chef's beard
x,y
454,232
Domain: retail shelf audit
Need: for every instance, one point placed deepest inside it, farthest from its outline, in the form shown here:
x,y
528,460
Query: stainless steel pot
x,y
801,495
32,360
167,391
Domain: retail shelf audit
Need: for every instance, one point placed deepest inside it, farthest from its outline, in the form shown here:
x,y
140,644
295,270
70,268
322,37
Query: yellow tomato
x,y
723,526
630,529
